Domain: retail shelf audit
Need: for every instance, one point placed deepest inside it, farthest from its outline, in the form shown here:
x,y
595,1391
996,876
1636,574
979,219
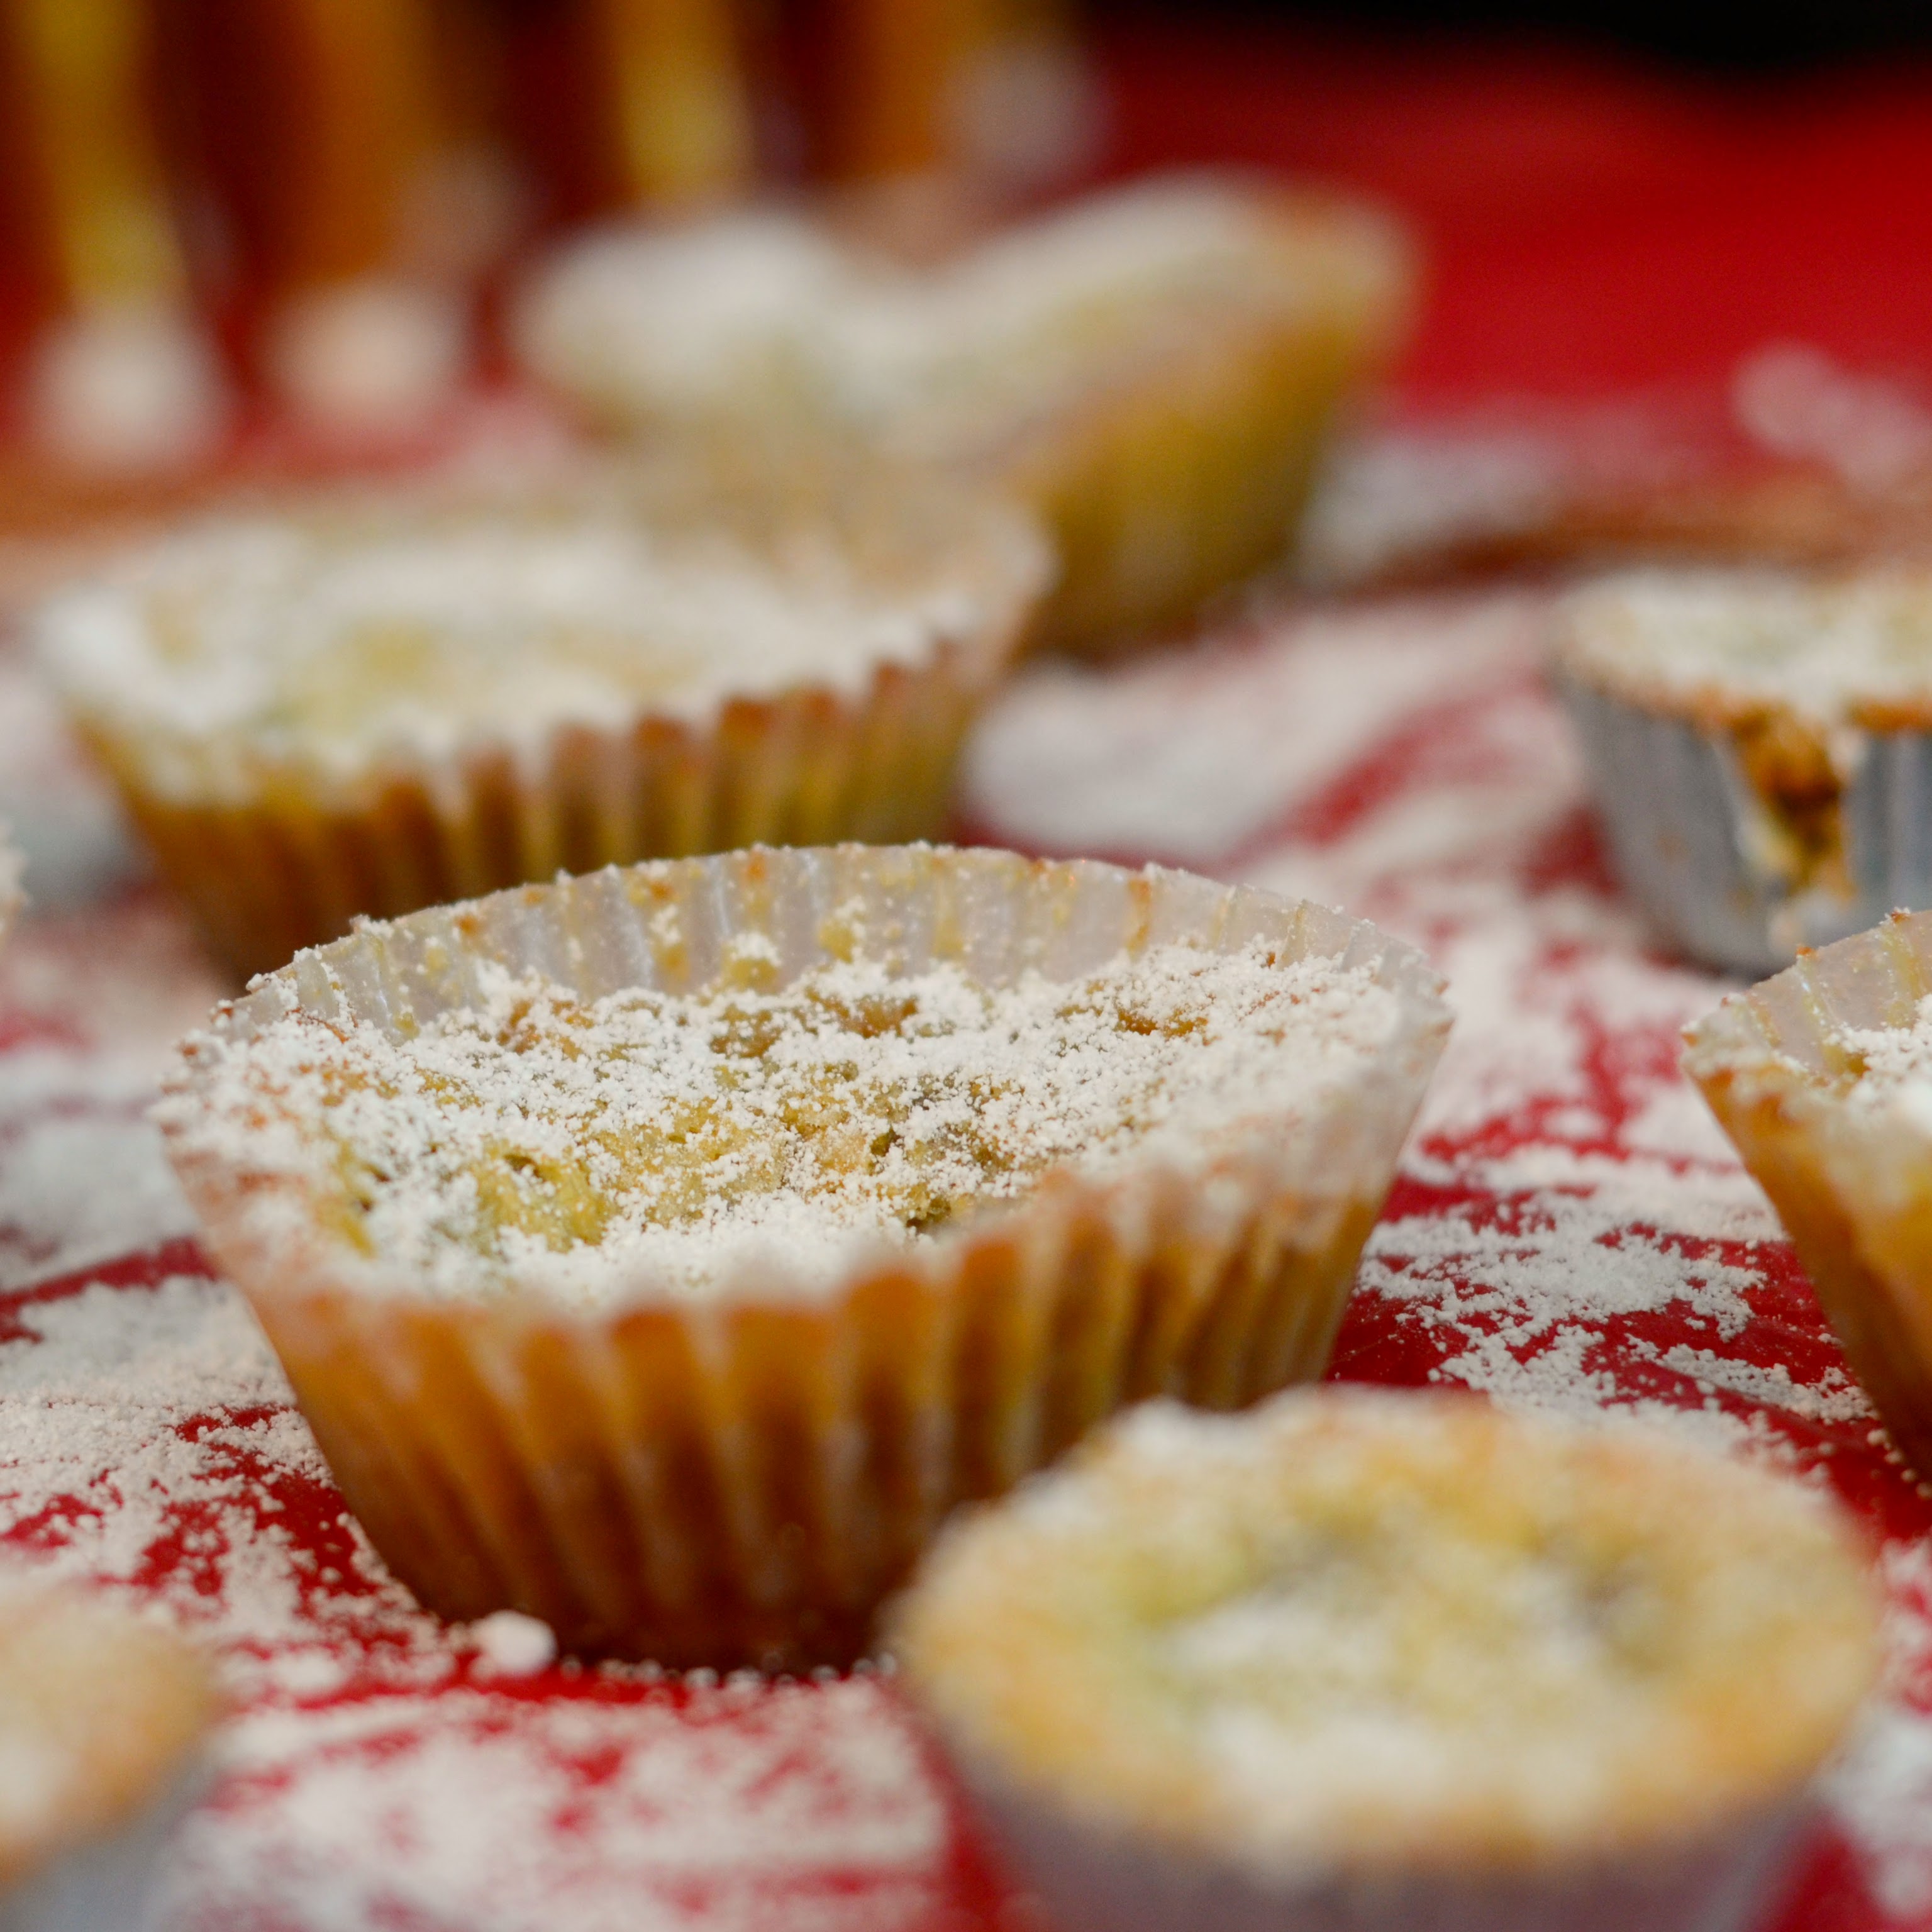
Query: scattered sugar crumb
x,y
514,1646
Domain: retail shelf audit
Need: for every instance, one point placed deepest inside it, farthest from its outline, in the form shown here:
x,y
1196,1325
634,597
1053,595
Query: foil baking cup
x,y
1700,851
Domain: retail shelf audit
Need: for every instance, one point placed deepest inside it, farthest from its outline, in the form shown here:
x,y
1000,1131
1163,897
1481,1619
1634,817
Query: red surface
x,y
1591,225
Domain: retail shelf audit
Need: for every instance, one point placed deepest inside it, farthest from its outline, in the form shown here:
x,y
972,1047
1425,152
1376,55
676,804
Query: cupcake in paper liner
x,y
662,1253
104,1724
1375,1662
389,702
1822,1077
1154,369
1760,743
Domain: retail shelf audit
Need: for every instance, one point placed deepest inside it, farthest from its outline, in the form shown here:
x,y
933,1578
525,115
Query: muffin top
x,y
355,633
772,309
1725,644
1351,1632
653,1141
100,1713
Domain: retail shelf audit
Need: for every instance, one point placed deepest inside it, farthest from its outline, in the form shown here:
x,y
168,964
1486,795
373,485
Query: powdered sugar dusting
x,y
646,1139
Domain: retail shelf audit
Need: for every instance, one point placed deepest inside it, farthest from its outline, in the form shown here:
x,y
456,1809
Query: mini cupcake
x,y
1393,1661
662,1253
1758,744
1822,1076
103,1720
383,703
1154,369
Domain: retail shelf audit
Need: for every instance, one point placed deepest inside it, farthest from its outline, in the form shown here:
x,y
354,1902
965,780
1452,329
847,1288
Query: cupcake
x,y
1822,1076
382,703
1393,1661
103,1723
1758,742
1154,369
661,1254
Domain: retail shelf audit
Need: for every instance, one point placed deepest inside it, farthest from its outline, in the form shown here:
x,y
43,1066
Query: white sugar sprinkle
x,y
585,1150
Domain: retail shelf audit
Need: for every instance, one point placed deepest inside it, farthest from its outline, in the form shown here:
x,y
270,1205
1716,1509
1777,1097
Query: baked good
x,y
662,1253
1154,369
1822,1076
386,702
1757,742
1392,1659
103,1720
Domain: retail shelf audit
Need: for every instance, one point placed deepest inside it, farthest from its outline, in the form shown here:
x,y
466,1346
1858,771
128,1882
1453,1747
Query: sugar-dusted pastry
x,y
1760,743
1381,1661
1153,368
662,1253
383,703
1822,1076
103,1722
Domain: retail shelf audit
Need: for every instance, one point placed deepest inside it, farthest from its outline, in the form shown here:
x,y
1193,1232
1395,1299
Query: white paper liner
x,y
745,1476
273,849
1852,1188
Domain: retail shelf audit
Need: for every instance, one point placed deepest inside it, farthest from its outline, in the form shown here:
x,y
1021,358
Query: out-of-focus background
x,y
225,221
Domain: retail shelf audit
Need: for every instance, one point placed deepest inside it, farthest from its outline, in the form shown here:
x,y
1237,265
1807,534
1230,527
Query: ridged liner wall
x,y
1854,1192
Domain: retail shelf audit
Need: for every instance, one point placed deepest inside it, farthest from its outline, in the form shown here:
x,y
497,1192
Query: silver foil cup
x,y
1694,844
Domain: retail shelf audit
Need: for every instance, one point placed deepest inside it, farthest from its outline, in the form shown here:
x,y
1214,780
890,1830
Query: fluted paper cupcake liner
x,y
291,865
1699,850
745,1476
1854,1193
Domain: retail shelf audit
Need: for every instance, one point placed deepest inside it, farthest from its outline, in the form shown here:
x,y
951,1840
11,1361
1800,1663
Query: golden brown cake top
x,y
1355,1631
100,1713
681,1142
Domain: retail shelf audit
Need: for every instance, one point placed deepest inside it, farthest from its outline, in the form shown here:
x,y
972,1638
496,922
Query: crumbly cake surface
x,y
339,643
1835,651
657,1141
1369,1630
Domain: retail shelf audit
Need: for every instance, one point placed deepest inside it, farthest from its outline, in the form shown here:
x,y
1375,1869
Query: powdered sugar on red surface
x,y
1570,1231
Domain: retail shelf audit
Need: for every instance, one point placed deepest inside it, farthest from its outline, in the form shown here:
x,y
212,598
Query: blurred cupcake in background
x,y
1759,743
105,1721
381,702
1155,370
